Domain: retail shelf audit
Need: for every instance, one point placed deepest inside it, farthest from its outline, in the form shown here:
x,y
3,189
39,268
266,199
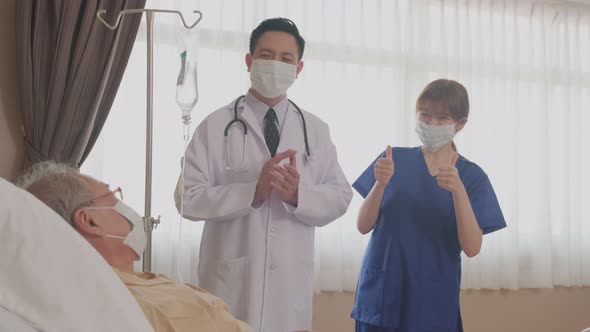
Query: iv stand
x,y
148,221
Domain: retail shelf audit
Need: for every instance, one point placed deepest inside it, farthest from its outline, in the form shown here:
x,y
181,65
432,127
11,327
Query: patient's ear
x,y
82,222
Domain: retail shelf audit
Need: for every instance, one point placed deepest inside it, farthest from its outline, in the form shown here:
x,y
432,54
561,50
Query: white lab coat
x,y
259,260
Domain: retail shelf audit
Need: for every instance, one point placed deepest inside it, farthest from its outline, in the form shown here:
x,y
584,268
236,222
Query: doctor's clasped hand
x,y
283,179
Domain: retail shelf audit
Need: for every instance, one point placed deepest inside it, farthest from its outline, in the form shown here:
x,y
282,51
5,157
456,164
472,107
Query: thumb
x,y
389,153
454,159
293,160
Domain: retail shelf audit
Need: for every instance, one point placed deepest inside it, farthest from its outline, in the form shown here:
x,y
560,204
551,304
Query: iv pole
x,y
148,221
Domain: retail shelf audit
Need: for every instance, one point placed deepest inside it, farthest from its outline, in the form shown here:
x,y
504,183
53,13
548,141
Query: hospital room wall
x,y
11,138
547,310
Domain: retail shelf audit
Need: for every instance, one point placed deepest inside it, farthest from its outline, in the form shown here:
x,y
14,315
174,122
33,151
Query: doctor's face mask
x,y
274,61
272,78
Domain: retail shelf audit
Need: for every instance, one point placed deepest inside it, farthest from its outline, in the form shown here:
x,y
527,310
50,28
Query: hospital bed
x,y
51,279
12,322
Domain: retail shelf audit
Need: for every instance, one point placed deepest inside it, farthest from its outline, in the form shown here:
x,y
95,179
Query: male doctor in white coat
x,y
261,203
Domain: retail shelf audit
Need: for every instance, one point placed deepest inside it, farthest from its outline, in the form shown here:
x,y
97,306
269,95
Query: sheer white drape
x,y
525,64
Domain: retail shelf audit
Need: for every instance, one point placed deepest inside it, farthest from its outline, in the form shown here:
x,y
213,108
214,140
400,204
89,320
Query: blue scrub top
x,y
411,272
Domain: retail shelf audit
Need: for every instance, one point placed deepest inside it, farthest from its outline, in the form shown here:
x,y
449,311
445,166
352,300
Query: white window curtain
x,y
525,64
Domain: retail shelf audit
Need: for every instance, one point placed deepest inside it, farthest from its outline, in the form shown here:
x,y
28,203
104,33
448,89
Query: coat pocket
x,y
230,283
303,298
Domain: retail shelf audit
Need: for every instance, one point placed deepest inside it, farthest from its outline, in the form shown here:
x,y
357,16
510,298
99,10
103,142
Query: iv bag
x,y
187,92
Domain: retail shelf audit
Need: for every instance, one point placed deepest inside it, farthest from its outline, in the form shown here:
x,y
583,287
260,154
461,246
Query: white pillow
x,y
52,278
11,322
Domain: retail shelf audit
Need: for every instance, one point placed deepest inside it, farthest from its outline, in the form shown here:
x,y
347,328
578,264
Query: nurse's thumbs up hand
x,y
384,168
448,176
454,159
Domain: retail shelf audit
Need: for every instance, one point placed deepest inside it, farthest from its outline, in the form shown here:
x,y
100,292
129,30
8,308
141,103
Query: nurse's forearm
x,y
469,233
370,209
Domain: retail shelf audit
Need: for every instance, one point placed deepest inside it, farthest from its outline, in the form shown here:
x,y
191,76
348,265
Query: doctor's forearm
x,y
468,230
319,205
225,202
370,209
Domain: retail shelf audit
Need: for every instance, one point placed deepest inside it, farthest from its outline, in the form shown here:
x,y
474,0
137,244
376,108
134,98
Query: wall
x,y
11,139
547,310
527,310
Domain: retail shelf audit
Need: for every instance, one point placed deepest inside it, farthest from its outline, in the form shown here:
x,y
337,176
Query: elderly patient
x,y
116,232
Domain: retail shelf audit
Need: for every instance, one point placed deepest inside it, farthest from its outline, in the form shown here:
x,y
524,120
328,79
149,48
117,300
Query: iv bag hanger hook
x,y
100,13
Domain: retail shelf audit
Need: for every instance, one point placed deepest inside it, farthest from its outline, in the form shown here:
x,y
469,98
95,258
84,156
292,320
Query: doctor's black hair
x,y
277,24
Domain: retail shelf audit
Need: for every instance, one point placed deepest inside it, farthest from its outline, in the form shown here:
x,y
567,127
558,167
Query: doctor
x,y
263,174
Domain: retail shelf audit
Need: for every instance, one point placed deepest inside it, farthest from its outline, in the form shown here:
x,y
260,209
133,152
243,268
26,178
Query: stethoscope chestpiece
x,y
307,158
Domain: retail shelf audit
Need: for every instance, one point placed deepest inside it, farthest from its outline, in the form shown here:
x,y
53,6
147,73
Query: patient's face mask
x,y
272,78
136,239
435,137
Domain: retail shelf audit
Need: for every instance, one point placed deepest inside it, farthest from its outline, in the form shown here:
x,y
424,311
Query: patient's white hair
x,y
59,185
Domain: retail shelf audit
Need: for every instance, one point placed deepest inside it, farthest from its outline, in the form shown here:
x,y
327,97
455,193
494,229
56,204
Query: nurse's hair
x,y
449,94
277,24
60,186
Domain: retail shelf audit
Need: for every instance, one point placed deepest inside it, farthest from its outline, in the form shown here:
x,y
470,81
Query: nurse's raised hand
x,y
448,176
384,168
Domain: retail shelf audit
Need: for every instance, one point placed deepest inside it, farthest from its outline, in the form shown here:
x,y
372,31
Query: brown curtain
x,y
65,86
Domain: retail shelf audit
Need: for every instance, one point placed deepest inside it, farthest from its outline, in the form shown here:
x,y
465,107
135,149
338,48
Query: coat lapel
x,y
254,128
292,132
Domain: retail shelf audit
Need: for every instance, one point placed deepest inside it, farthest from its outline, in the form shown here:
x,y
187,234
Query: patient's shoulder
x,y
142,278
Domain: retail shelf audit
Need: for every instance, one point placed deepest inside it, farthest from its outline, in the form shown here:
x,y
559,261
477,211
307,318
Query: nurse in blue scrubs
x,y
424,205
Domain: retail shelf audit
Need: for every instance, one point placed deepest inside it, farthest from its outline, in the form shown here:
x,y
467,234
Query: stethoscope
x,y
239,122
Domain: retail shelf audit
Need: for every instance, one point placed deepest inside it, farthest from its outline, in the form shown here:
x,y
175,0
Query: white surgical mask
x,y
435,137
136,239
272,78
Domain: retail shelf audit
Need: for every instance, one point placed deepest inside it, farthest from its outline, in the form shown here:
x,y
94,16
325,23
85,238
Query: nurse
x,y
425,205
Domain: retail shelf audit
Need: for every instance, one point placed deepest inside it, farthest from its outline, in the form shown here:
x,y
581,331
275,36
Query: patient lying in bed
x,y
97,213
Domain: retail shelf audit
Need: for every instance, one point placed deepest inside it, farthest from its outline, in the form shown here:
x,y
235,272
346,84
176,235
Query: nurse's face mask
x,y
435,130
272,78
136,239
